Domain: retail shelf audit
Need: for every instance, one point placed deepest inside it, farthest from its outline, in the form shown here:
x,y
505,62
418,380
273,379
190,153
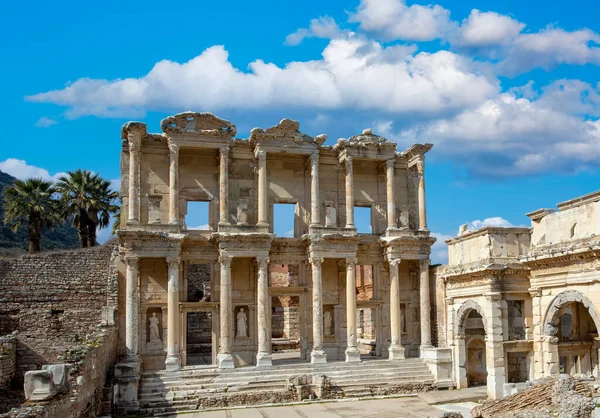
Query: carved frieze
x,y
203,124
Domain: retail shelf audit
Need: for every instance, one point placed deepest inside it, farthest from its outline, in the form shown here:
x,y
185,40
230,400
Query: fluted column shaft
x,y
225,310
174,212
421,194
263,357
349,193
314,190
261,155
318,354
224,186
391,199
173,361
134,178
425,303
352,352
132,308
396,350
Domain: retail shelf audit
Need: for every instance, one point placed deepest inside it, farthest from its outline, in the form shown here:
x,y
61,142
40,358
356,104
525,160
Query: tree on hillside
x,y
33,202
88,199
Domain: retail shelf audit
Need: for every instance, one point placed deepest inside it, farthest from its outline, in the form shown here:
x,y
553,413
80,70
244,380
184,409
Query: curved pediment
x,y
286,129
203,124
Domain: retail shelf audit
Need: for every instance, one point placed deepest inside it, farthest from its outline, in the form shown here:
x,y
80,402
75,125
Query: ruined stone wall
x,y
55,300
8,359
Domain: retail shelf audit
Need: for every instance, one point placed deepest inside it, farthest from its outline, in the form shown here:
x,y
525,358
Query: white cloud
x,y
45,122
482,29
21,170
439,250
322,27
394,20
493,221
513,136
204,227
354,73
289,234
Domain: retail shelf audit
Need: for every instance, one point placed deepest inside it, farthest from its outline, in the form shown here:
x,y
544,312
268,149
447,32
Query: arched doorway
x,y
471,352
572,327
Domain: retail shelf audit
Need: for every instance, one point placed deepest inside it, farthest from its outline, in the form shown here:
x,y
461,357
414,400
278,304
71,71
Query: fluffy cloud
x,y
21,170
45,122
205,227
487,29
354,73
322,27
493,221
511,135
394,20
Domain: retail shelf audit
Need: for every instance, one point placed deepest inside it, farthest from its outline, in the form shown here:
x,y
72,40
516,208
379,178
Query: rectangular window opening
x,y
196,217
198,282
284,220
362,219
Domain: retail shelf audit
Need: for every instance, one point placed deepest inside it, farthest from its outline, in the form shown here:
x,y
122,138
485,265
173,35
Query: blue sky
x,y
506,90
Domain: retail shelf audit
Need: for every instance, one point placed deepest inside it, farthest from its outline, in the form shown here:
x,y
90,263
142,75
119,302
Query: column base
x,y
318,357
173,363
225,361
424,347
352,355
262,224
396,353
264,360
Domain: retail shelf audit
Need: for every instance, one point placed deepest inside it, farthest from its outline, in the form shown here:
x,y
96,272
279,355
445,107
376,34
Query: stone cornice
x,y
285,137
198,124
562,252
579,201
488,230
483,270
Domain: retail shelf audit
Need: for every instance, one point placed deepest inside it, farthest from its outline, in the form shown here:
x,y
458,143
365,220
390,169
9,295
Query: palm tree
x,y
88,199
117,220
33,202
102,207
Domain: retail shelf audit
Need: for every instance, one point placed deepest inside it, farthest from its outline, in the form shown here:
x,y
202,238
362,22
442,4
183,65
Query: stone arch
x,y
462,314
568,296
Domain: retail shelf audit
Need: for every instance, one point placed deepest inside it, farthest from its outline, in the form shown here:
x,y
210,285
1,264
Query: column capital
x,y
225,260
173,262
132,261
348,162
351,262
424,264
134,143
173,148
224,151
262,261
395,262
260,154
420,165
390,163
314,158
316,261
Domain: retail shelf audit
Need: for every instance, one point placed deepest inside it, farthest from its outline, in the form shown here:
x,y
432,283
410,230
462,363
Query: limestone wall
x,y
55,300
8,359
488,245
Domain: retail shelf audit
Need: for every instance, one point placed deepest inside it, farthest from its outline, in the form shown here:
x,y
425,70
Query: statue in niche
x,y
242,324
154,329
242,213
327,323
330,215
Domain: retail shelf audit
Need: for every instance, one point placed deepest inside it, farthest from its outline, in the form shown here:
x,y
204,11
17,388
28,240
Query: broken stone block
x,y
39,385
60,376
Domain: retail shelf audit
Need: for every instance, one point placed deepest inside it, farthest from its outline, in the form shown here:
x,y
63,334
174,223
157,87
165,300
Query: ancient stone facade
x,y
197,159
523,303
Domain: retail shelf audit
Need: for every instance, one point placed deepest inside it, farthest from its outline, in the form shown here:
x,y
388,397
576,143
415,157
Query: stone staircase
x,y
209,387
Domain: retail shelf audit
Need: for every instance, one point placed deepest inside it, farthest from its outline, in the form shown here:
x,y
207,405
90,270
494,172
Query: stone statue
x,y
154,330
242,325
242,213
327,323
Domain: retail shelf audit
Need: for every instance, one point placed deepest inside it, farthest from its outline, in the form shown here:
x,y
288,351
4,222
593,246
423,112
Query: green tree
x,y
88,199
32,202
117,218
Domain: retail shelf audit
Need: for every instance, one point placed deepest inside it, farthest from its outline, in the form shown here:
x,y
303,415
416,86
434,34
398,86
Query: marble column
x,y
391,199
134,178
317,355
224,186
132,306
261,155
349,193
174,213
421,194
425,303
314,191
263,357
396,350
352,353
225,357
173,361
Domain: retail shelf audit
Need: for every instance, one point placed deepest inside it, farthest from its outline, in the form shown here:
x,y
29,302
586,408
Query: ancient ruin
x,y
176,317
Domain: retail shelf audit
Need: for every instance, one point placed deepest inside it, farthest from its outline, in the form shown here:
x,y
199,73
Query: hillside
x,y
60,237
